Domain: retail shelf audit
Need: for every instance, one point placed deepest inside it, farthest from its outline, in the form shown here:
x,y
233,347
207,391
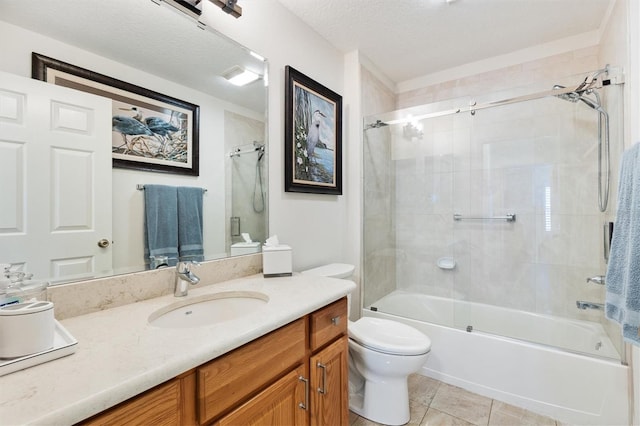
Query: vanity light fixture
x,y
229,6
240,76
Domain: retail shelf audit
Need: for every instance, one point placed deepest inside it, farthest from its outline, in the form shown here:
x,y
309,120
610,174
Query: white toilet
x,y
382,354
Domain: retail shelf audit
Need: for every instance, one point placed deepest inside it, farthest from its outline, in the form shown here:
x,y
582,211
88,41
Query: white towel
x,y
623,271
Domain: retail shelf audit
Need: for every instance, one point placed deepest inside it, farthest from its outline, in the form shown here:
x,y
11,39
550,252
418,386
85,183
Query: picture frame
x,y
313,136
152,132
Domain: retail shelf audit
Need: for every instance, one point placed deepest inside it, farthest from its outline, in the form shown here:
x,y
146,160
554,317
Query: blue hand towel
x,y
623,271
161,225
190,244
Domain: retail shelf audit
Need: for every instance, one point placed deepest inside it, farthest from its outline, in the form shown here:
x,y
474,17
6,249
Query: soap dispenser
x,y
17,286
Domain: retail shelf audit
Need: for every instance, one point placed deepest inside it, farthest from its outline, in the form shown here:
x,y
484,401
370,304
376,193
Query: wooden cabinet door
x,y
169,404
234,377
279,404
330,385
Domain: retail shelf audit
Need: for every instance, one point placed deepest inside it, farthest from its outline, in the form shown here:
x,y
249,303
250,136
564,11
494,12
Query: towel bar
x,y
140,187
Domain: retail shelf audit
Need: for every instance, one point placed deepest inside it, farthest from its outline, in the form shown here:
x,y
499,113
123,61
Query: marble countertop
x,y
120,355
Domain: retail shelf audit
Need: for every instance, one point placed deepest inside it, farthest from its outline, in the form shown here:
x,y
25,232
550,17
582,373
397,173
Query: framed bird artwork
x,y
150,131
313,136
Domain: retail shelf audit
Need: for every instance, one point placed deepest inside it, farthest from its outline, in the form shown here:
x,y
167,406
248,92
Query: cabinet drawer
x,y
328,323
231,378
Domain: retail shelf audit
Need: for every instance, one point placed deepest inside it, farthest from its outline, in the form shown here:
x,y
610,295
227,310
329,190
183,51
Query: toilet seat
x,y
389,337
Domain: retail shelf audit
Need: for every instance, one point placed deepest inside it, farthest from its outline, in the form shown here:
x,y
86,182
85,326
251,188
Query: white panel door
x,y
55,179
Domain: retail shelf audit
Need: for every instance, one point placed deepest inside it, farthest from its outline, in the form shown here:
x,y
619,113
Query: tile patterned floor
x,y
434,403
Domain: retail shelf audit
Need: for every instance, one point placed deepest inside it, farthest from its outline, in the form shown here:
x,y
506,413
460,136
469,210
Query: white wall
x,y
315,226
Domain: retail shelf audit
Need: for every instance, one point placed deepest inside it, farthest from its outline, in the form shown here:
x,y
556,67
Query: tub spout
x,y
581,304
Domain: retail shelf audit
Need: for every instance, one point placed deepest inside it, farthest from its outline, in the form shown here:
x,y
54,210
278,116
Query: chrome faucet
x,y
581,304
184,278
598,279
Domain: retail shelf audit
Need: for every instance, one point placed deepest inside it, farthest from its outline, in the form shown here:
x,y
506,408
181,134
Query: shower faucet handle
x,y
598,279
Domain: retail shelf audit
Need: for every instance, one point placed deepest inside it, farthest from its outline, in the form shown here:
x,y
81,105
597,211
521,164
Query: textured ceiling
x,y
407,39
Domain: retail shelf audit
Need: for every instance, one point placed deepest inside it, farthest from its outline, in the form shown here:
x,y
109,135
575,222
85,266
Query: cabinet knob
x,y
335,320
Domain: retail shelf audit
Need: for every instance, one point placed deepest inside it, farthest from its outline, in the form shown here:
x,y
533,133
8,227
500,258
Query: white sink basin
x,y
208,309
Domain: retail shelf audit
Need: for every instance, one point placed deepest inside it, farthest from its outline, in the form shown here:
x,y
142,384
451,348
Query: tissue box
x,y
276,261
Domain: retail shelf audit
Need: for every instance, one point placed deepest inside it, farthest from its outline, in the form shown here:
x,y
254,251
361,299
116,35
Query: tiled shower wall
x,y
536,159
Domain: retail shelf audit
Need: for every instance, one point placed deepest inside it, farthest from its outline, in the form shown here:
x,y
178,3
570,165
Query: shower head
x,y
581,95
571,96
586,87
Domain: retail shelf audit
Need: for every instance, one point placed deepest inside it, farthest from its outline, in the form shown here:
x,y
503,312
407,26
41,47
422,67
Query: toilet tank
x,y
333,270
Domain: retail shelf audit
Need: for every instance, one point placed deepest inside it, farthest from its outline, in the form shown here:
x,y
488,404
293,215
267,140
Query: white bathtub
x,y
559,383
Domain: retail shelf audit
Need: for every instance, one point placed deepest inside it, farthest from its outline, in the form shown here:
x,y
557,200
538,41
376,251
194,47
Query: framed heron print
x,y
150,131
313,136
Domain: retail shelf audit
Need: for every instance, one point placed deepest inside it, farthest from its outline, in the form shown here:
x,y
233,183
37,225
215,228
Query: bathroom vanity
x,y
285,363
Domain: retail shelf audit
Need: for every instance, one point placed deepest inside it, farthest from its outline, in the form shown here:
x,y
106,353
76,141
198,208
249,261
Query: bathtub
x,y
552,377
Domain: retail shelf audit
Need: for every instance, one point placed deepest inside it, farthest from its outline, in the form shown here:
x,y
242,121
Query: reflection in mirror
x,y
156,47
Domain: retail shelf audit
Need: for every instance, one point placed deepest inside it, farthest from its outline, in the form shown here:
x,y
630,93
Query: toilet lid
x,y
389,337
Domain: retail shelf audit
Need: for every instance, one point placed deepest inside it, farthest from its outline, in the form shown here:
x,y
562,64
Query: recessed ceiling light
x,y
240,76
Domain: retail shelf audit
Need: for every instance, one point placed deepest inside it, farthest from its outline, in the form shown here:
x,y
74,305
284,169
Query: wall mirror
x,y
155,45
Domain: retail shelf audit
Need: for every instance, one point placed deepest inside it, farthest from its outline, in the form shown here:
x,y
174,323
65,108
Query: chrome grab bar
x,y
508,217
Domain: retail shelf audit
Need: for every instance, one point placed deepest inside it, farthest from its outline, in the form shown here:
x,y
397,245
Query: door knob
x,y
103,243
